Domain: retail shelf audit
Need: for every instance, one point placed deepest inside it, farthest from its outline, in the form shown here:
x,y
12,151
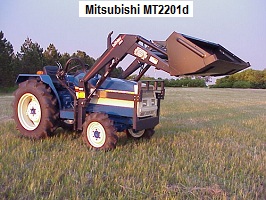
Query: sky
x,y
238,25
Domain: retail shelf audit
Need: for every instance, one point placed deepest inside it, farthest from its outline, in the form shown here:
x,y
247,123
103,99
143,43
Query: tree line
x,y
32,57
249,78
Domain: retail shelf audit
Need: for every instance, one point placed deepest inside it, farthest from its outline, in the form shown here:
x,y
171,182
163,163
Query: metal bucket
x,y
192,56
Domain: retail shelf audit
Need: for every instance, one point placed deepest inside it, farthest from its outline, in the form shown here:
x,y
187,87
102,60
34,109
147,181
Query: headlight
x,y
153,102
144,103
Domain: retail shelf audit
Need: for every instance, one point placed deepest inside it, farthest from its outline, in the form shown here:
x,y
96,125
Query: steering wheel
x,y
78,68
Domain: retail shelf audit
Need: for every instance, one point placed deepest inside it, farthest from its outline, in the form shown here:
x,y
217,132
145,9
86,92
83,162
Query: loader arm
x,y
178,55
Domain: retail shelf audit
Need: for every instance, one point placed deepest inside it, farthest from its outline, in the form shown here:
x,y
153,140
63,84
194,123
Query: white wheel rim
x,y
136,134
29,111
96,134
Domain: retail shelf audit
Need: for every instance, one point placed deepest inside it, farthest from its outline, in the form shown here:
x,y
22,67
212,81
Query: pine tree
x,y
51,55
30,57
6,62
86,58
64,58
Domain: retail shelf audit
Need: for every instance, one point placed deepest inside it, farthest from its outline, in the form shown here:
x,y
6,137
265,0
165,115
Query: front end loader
x,y
81,99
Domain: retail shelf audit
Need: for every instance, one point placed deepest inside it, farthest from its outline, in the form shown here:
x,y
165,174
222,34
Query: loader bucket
x,y
191,56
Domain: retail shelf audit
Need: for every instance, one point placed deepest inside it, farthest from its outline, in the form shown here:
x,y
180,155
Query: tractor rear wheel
x,y
99,132
146,133
35,109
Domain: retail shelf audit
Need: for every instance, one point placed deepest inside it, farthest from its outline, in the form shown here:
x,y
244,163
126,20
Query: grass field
x,y
210,144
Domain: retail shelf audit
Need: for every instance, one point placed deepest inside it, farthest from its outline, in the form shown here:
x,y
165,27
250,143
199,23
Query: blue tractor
x,y
79,98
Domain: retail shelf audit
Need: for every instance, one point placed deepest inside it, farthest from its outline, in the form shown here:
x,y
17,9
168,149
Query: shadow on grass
x,y
66,134
70,135
125,141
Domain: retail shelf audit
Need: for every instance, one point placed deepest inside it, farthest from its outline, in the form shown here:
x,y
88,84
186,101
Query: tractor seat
x,y
51,71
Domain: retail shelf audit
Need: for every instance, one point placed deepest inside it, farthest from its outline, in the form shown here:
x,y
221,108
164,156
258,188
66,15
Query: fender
x,y
44,78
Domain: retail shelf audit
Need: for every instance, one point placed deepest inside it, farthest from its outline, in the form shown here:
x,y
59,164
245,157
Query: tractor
x,y
75,97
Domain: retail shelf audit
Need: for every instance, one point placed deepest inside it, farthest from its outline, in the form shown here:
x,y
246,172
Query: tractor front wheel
x,y
99,132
